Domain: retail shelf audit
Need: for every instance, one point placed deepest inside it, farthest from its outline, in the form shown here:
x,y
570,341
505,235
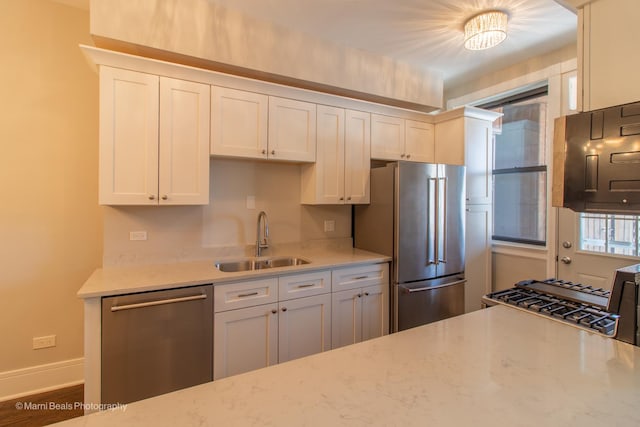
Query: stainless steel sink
x,y
259,263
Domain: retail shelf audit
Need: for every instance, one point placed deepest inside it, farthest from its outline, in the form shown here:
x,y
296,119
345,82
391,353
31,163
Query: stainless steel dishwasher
x,y
156,342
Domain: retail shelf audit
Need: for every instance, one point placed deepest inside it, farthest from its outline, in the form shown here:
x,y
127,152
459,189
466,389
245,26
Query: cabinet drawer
x,y
245,294
356,277
304,285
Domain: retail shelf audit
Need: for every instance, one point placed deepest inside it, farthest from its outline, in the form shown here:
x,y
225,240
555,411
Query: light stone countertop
x,y
149,277
493,367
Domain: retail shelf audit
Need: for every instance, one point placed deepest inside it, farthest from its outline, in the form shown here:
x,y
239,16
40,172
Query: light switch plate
x,y
251,202
137,235
329,225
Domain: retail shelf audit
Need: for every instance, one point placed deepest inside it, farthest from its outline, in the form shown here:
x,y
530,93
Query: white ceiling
x,y
425,33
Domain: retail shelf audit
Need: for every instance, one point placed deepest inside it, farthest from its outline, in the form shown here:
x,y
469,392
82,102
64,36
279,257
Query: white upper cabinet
x,y
341,172
252,125
608,64
184,143
238,123
153,139
419,141
393,138
129,104
479,161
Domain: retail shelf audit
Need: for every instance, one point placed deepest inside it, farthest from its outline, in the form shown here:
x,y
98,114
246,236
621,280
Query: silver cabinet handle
x,y
309,285
165,197
152,197
160,302
250,294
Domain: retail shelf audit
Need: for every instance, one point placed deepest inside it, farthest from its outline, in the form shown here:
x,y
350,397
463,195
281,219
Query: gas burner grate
x,y
583,315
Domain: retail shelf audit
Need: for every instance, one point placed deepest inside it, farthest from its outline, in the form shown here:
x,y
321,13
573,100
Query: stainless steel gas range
x,y
614,313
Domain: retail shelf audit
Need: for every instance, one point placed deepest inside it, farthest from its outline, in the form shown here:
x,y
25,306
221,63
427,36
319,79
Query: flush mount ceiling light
x,y
485,30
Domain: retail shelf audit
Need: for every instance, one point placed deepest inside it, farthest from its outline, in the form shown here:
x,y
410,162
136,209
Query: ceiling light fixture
x,y
485,30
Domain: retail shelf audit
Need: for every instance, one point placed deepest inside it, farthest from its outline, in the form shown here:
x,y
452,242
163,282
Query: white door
x,y
244,340
346,318
357,157
304,327
128,137
183,143
329,182
581,266
375,314
238,123
387,137
292,130
419,141
477,256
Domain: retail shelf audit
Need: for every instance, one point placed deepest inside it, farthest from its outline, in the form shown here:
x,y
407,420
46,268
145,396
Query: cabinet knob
x,y
274,311
349,198
165,197
264,151
366,294
408,155
273,152
284,308
402,155
359,295
341,198
152,197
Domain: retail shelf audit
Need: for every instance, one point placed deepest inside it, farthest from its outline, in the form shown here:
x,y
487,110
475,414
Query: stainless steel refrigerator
x,y
416,216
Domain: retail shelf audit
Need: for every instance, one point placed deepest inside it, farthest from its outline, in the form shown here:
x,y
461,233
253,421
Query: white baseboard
x,y
41,378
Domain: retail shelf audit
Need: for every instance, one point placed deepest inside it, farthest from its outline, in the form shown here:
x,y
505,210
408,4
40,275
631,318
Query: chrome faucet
x,y
262,243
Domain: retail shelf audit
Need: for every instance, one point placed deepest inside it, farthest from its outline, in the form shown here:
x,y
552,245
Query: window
x,y
519,168
609,233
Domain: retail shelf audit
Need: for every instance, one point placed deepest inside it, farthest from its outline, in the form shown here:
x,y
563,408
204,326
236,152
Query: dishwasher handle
x,y
159,302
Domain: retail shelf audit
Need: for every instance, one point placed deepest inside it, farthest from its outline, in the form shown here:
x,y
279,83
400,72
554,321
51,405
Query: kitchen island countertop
x,y
497,366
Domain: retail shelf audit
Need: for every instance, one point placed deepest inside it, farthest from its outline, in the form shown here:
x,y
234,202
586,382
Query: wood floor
x,y
44,408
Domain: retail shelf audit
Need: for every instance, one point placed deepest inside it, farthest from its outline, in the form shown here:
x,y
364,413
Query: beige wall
x,y
195,232
50,224
220,38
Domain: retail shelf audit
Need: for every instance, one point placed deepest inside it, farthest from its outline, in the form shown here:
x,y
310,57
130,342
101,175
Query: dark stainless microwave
x,y
596,161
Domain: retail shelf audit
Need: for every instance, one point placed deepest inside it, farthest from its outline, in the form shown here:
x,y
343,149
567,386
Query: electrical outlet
x,y
329,225
137,235
44,342
251,202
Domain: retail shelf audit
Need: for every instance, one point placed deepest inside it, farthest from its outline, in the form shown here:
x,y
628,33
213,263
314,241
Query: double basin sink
x,y
249,264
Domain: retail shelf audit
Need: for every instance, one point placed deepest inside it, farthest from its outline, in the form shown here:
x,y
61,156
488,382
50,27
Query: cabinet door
x,y
128,137
292,130
323,182
387,137
346,318
479,159
238,123
357,157
184,142
304,327
375,312
449,142
477,255
419,141
244,340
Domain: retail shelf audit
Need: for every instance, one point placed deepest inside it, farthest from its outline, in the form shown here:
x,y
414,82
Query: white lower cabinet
x,y
262,322
358,315
244,340
304,327
249,334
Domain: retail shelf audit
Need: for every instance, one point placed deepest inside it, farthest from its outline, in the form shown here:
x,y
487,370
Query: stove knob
x,y
566,260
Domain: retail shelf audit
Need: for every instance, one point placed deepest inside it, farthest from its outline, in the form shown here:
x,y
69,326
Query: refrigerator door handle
x,y
442,221
428,288
432,222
